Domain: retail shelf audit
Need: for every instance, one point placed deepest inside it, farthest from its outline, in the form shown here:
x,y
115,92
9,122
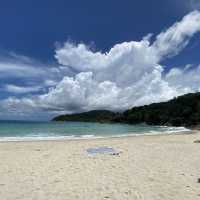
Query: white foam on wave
x,y
168,131
177,129
34,138
47,138
87,136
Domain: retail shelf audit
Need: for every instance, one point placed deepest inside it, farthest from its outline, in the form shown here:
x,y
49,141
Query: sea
x,y
28,130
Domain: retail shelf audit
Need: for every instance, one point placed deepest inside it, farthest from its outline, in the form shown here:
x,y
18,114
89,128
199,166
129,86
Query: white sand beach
x,y
161,167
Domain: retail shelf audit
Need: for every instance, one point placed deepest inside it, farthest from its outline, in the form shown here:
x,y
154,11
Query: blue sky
x,y
31,28
35,60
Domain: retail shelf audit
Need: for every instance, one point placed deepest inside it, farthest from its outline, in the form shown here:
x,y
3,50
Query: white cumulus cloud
x,y
173,40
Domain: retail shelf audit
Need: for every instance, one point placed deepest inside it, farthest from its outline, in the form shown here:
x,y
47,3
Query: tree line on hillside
x,y
181,111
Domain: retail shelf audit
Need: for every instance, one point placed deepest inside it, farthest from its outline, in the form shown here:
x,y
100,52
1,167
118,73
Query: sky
x,y
69,56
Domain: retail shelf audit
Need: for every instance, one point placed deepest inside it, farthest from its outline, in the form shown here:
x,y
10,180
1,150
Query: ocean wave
x,y
34,138
42,137
47,138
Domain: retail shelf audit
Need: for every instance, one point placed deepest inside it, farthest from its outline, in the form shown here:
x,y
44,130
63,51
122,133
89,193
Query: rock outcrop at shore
x,y
181,111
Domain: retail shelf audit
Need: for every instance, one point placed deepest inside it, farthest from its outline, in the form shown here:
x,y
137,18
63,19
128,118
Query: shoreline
x,y
93,137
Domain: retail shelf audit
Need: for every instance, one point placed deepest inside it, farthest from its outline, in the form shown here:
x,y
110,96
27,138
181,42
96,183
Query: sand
x,y
150,167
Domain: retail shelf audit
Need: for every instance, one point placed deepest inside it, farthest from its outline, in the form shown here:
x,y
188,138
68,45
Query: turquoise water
x,y
16,130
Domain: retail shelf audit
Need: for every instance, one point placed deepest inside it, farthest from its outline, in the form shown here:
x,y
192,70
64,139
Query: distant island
x,y
181,111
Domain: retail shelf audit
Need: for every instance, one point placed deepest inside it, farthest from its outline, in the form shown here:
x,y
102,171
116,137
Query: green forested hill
x,y
91,116
181,111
